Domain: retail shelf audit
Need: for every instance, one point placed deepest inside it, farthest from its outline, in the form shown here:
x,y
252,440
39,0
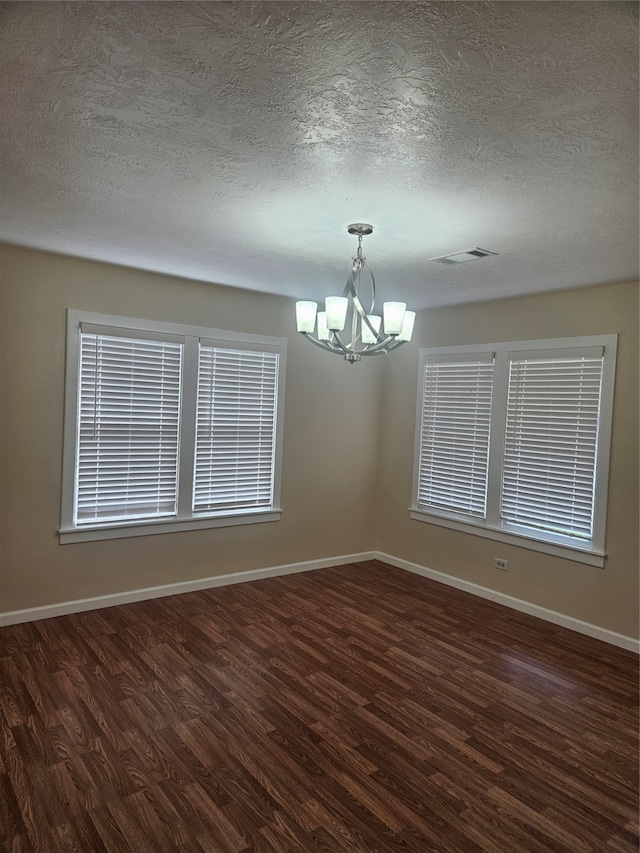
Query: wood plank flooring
x,y
358,708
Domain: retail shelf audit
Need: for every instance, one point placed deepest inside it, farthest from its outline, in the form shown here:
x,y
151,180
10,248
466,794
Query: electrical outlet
x,y
503,565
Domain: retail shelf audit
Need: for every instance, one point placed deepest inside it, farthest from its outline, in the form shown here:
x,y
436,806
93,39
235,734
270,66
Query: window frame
x,y
592,553
184,519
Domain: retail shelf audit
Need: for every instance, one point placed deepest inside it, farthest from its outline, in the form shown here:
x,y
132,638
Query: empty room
x,y
319,439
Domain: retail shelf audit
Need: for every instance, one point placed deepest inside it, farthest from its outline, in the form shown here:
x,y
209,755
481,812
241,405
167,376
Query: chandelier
x,y
366,337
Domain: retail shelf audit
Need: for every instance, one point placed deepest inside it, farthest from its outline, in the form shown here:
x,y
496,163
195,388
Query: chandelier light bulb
x,y
393,313
407,326
367,336
336,307
306,316
323,330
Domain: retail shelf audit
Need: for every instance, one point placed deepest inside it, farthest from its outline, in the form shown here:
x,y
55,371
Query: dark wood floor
x,y
359,708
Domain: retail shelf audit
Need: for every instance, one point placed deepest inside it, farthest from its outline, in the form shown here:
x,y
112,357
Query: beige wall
x,y
605,597
336,430
329,475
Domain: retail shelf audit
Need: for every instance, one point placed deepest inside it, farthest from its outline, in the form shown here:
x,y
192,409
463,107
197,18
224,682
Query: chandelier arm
x,y
377,349
350,287
350,290
372,329
343,348
325,345
354,316
373,290
394,346
373,352
387,345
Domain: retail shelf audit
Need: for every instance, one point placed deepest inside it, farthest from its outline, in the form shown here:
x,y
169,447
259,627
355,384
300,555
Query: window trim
x,y
184,520
594,553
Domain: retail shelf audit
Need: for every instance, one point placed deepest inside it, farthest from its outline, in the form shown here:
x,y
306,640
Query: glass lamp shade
x,y
306,316
367,336
323,330
393,313
336,307
407,326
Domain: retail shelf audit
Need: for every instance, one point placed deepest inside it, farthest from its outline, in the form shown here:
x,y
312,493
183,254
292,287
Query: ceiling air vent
x,y
463,257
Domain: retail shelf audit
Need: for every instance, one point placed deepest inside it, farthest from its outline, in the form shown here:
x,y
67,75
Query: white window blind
x,y
454,440
168,427
513,441
235,429
551,438
128,428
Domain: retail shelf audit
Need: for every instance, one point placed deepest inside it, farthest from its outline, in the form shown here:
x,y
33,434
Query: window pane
x,y
235,430
454,441
550,444
127,449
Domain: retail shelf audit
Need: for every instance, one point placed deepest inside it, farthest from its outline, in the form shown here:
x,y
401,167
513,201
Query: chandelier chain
x,y
358,261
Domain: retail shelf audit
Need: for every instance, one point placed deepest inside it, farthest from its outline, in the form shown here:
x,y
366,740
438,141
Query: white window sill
x,y
87,533
568,552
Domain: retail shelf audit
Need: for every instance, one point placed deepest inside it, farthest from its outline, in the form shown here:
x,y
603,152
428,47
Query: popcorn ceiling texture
x,y
233,142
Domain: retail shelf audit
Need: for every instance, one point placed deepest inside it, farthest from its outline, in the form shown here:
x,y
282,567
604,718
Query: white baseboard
x,y
578,625
82,604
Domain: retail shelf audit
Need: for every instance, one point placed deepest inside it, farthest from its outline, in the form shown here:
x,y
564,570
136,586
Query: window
x,y
512,442
168,427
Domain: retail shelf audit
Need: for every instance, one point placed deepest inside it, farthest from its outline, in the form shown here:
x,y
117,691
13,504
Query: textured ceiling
x,y
234,142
